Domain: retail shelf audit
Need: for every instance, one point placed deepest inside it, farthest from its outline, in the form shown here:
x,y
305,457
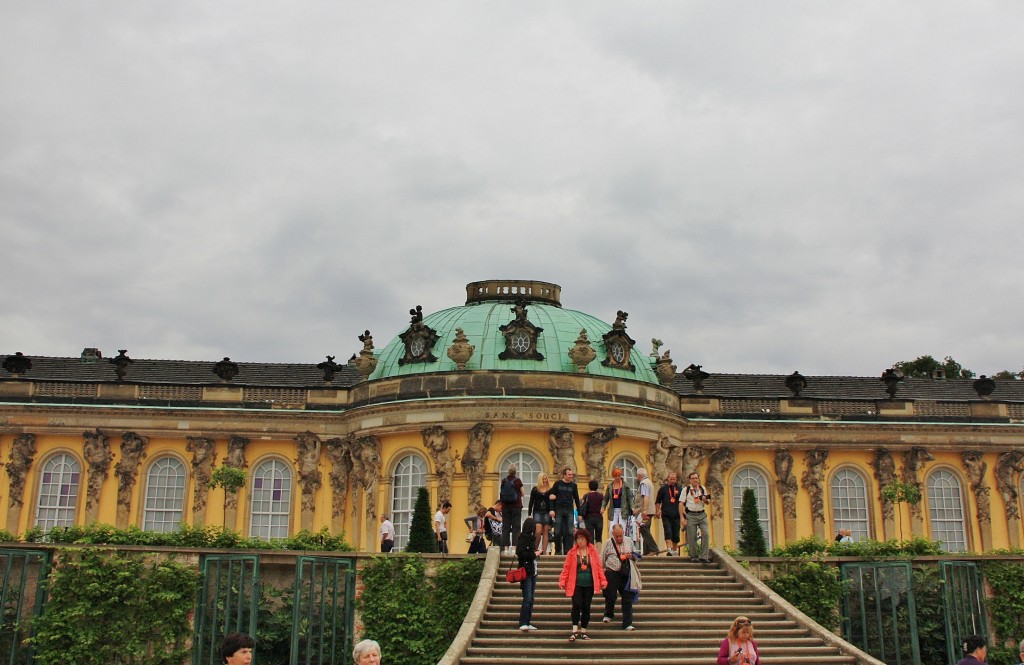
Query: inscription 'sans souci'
x,y
525,415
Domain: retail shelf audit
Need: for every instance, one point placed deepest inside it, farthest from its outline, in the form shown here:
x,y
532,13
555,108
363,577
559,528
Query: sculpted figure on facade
x,y
975,466
1008,466
339,452
235,459
23,453
203,457
307,460
692,460
786,482
474,463
813,481
96,450
435,439
133,451
662,450
721,461
596,452
367,448
885,473
561,443
913,461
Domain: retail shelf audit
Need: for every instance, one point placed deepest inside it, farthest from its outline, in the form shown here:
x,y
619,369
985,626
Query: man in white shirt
x,y
646,510
440,527
387,534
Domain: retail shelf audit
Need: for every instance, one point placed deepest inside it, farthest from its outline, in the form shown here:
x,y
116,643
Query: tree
x,y
899,492
923,367
1007,375
752,542
421,533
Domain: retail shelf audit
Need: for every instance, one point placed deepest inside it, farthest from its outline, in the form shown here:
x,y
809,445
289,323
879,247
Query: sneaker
x,y
705,560
531,627
629,628
606,620
524,628
694,559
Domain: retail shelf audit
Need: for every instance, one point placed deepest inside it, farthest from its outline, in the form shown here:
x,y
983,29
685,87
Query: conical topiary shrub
x,y
752,542
421,533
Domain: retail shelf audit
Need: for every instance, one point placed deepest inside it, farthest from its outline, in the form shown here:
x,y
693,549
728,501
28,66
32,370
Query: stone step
x,y
783,632
596,656
604,647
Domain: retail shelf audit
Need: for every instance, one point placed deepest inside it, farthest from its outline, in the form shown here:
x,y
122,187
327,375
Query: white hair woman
x,y
366,652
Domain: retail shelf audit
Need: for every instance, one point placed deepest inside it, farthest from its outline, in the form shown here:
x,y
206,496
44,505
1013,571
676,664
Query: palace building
x,y
509,377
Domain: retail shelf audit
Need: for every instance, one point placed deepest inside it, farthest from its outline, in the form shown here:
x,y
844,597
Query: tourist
x,y
618,499
366,652
847,536
526,552
617,557
593,517
581,575
510,493
739,648
1021,653
975,650
695,502
441,527
566,498
478,545
645,509
236,649
387,534
492,518
667,510
539,507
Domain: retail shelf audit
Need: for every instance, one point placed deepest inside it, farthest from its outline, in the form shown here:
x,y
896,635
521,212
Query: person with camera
x,y
739,648
617,556
695,503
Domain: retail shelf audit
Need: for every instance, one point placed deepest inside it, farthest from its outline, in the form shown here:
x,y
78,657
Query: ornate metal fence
x,y
21,599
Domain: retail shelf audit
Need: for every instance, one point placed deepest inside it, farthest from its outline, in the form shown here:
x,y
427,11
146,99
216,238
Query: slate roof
x,y
773,386
186,372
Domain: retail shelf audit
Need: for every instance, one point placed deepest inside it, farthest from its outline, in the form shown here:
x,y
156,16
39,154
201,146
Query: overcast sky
x,y
766,186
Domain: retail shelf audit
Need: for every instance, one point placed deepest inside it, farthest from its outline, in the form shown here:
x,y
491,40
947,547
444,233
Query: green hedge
x,y
211,537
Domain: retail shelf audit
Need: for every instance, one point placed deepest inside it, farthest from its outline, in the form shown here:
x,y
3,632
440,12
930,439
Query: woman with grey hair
x,y
366,652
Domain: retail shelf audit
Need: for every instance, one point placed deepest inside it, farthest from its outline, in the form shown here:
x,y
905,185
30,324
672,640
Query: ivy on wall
x,y
1005,609
414,616
213,537
107,607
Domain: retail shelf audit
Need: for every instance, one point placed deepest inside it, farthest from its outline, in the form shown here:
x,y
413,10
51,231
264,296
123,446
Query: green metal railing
x,y
964,600
322,617
879,612
21,599
228,603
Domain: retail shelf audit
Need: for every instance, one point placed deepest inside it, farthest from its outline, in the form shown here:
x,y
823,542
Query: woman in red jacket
x,y
739,648
581,575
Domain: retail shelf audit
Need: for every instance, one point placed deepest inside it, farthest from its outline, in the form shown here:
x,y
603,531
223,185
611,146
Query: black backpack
x,y
508,492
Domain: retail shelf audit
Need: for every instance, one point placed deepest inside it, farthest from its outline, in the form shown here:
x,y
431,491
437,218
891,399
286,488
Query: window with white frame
x,y
751,478
946,510
271,500
58,492
528,470
629,467
165,495
849,493
410,475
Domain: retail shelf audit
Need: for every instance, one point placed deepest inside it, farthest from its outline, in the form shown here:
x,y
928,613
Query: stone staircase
x,y
684,612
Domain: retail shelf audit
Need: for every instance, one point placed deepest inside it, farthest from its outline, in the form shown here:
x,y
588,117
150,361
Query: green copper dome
x,y
491,305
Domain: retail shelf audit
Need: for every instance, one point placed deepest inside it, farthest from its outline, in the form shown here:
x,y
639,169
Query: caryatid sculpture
x,y
692,459
235,459
23,453
813,480
662,450
133,451
1008,466
975,466
596,452
722,459
885,473
339,452
435,439
96,450
474,463
370,461
562,445
913,461
788,487
203,457
307,449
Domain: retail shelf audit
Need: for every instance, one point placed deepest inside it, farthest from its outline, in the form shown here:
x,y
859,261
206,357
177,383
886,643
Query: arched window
x,y
629,468
849,493
946,510
751,477
528,470
410,476
58,492
271,500
165,495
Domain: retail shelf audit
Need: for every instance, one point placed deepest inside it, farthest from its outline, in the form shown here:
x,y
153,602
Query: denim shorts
x,y
542,518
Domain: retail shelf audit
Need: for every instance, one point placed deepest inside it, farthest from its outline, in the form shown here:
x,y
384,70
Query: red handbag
x,y
515,575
